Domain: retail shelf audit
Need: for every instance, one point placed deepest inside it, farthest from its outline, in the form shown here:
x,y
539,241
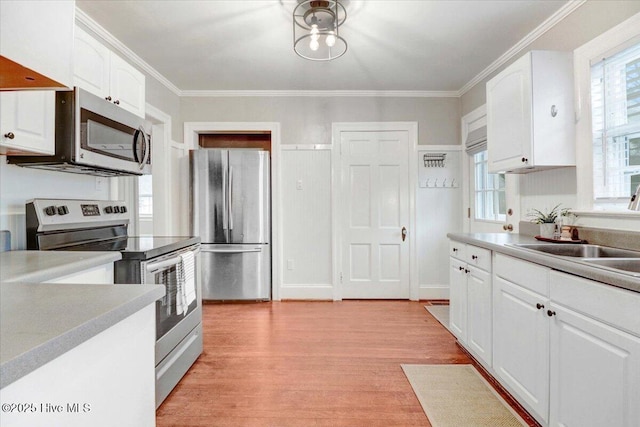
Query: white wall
x,y
17,185
306,224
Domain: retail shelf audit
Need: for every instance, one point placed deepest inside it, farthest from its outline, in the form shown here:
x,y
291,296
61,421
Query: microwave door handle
x,y
147,148
140,134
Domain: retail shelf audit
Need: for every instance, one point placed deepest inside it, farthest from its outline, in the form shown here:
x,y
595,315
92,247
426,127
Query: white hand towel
x,y
180,277
188,259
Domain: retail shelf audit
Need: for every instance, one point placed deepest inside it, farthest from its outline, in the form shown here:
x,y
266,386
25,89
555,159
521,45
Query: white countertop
x,y
41,321
40,266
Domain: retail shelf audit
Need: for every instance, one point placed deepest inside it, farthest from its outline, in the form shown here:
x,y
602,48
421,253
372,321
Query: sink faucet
x,y
634,204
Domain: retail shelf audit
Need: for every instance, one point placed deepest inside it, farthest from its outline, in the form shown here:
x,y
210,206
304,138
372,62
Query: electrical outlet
x,y
290,264
299,185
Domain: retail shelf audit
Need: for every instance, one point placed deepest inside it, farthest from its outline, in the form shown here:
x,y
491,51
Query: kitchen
x,y
301,129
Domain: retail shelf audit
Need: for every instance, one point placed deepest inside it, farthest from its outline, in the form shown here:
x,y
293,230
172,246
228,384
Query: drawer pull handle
x,y
551,313
460,268
9,135
539,306
474,256
455,249
466,271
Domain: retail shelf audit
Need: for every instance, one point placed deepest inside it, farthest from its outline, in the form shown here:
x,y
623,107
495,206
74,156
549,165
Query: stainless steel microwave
x,y
94,137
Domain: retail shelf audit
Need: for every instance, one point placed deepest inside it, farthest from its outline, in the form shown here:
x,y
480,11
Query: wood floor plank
x,y
303,363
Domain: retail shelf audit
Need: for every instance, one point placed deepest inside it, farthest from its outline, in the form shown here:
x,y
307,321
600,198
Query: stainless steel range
x,y
172,262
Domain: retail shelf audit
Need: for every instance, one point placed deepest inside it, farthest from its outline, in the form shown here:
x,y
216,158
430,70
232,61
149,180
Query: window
x,y
145,195
490,202
615,100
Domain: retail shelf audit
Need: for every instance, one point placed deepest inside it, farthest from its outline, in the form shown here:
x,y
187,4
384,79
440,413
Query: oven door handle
x,y
162,264
231,251
168,262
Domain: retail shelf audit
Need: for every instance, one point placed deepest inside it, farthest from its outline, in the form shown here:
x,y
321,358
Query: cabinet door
x,y
127,86
521,345
39,36
479,315
595,373
509,137
92,64
458,299
27,122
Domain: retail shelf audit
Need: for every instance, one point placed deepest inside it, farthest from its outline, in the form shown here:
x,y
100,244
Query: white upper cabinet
x,y
530,114
36,44
27,122
100,71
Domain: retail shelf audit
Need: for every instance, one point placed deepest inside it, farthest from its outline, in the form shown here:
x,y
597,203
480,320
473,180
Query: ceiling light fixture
x,y
316,26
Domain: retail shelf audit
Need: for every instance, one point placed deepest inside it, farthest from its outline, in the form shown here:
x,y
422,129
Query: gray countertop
x,y
39,322
499,242
40,266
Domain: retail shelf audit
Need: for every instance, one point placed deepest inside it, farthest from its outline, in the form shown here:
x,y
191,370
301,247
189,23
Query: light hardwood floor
x,y
309,364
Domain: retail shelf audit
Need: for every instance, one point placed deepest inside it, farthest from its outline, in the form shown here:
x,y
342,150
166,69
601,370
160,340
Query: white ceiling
x,y
247,45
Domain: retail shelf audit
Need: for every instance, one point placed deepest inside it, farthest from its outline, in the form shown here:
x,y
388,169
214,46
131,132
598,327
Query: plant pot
x,y
546,230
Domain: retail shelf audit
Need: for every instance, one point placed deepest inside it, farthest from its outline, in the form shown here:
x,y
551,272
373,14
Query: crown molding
x,y
549,23
99,30
563,12
321,93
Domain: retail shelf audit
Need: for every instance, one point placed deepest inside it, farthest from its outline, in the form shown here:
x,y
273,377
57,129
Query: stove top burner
x,y
90,225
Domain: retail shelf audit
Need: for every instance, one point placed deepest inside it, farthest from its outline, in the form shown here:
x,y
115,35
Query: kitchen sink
x,y
581,250
629,265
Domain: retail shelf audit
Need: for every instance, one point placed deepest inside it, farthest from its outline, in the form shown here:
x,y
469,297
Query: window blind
x,y
615,101
476,140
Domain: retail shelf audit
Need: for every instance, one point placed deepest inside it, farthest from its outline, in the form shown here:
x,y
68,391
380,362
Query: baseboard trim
x,y
437,292
306,292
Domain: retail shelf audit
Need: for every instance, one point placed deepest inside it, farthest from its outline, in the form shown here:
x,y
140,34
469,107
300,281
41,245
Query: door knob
x,y
404,233
9,135
507,227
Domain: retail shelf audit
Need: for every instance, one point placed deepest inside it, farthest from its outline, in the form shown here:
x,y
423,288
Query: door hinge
x,y
468,212
340,277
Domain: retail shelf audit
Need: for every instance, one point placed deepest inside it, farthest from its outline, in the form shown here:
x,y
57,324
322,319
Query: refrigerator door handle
x,y
231,251
225,217
230,198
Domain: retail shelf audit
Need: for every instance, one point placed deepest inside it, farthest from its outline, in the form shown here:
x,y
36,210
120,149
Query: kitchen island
x,y
75,354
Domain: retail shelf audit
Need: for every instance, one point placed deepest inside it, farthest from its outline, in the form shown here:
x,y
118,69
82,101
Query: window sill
x,y
608,214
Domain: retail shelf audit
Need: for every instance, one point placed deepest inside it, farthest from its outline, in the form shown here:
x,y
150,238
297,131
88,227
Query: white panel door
x,y
458,298
375,187
91,64
127,86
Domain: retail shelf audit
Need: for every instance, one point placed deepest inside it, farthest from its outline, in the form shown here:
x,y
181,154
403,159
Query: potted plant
x,y
547,220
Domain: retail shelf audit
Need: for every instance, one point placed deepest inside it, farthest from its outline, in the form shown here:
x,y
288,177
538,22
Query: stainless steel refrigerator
x,y
230,212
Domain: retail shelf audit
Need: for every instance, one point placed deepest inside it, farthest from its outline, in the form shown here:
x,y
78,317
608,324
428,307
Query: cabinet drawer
x,y
479,257
526,274
615,306
457,250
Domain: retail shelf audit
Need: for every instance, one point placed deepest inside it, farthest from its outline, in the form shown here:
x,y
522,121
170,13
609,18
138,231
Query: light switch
x,y
299,184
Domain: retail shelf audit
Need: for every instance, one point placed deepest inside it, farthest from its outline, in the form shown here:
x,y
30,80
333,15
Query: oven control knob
x,y
50,210
108,210
116,209
123,209
63,210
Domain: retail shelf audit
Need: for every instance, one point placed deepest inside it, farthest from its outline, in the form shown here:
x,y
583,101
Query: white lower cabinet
x,y
479,316
470,313
100,275
595,364
521,345
567,348
458,299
